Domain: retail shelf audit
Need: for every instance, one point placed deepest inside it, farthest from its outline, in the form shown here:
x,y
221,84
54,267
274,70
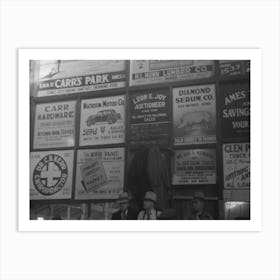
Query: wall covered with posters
x,y
88,116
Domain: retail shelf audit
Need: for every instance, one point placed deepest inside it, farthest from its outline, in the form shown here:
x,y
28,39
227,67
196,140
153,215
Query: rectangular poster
x,y
144,72
194,167
93,175
229,68
235,116
194,115
51,175
232,68
102,121
72,76
236,160
54,125
112,160
149,116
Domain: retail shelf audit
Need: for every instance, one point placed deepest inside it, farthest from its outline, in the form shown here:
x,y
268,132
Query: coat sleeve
x,y
140,215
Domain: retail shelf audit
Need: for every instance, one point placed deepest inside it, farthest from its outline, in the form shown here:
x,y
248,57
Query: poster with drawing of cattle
x,y
102,121
194,115
236,161
51,175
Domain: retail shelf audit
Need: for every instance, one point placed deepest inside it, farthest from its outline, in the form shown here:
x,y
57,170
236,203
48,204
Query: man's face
x,y
148,204
197,205
123,206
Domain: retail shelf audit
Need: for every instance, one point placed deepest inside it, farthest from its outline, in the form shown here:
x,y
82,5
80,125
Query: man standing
x,y
149,212
198,212
125,212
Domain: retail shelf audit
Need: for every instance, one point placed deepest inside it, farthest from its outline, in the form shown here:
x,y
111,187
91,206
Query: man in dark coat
x,y
126,212
198,212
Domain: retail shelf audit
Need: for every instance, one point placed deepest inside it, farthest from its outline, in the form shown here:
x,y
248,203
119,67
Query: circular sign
x,y
50,174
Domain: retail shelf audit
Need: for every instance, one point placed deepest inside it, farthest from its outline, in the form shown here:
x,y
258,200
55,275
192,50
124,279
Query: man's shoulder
x,y
116,214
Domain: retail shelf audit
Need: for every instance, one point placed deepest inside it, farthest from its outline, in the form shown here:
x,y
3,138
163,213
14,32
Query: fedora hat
x,y
199,195
150,196
123,197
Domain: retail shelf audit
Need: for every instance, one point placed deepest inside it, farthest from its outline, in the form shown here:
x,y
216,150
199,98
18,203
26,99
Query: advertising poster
x,y
112,160
102,121
55,125
229,68
236,160
144,72
51,175
194,167
149,117
93,175
72,76
194,115
235,116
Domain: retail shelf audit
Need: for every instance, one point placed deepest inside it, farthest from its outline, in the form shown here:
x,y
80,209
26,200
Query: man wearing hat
x,y
149,212
198,212
125,212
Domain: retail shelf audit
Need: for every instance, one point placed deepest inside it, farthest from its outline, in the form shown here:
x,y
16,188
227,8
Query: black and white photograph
x,y
139,139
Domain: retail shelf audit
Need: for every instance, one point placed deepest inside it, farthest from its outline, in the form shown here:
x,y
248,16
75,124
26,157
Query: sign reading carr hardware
x,y
55,125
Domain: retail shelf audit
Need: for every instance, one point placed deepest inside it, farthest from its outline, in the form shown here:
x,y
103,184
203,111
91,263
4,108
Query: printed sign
x,y
236,159
149,117
51,175
55,125
194,115
230,68
71,76
93,175
102,121
194,167
235,117
158,71
113,161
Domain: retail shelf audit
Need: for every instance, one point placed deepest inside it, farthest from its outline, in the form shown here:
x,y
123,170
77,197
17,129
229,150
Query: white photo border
x,y
24,222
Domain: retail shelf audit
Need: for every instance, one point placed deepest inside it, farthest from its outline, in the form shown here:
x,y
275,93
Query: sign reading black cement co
x,y
235,115
149,117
